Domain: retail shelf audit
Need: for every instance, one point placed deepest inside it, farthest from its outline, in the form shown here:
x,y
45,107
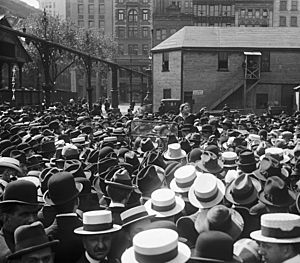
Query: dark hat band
x,y
135,216
163,208
183,185
159,258
207,199
242,196
97,227
279,233
229,162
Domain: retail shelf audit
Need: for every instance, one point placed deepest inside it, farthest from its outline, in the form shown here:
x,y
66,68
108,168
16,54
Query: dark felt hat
x,y
29,238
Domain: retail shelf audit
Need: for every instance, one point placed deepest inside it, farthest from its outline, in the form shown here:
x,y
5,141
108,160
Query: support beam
x,y
114,90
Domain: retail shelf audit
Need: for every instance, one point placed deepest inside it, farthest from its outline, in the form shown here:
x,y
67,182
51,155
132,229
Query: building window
x,y
91,9
121,32
132,15
145,49
173,31
243,12
282,21
91,23
145,1
91,1
80,9
165,61
121,49
186,4
250,13
133,49
145,32
226,10
222,60
167,94
101,9
265,13
294,5
145,14
294,21
121,13
262,101
257,13
101,24
283,5
163,34
132,32
120,1
265,61
158,34
202,10
80,23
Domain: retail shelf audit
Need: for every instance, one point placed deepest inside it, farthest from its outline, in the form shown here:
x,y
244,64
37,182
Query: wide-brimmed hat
x,y
268,167
184,178
276,153
134,214
243,190
174,152
276,193
121,179
96,223
214,246
229,159
147,145
20,192
29,238
207,191
220,218
164,203
281,228
61,189
210,163
247,249
10,163
247,158
156,245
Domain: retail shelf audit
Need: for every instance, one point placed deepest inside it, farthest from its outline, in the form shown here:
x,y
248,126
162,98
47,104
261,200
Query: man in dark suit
x,y
62,194
97,235
19,207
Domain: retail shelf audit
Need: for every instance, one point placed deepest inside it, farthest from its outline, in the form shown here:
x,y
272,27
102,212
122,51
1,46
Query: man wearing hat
x,y
279,238
33,245
96,234
19,207
62,195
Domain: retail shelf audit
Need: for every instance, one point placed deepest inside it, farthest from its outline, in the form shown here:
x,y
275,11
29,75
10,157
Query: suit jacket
x,y
7,246
70,247
83,259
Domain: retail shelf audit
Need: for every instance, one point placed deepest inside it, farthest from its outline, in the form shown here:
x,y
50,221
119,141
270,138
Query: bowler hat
x,y
61,189
134,214
121,179
20,192
29,238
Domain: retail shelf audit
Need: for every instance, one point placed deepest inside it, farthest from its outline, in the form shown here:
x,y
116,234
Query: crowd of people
x,y
77,185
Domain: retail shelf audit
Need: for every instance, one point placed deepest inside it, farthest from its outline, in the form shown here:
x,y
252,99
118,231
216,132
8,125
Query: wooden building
x,y
250,68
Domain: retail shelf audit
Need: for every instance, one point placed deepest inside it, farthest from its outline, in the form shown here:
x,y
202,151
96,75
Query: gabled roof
x,y
232,37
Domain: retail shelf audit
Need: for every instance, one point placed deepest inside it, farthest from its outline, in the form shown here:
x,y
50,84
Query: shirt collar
x,y
295,259
66,214
89,259
115,204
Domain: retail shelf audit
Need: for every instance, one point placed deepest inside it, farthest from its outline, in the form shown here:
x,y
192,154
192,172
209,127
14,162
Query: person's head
x,y
97,246
276,252
185,108
43,255
97,233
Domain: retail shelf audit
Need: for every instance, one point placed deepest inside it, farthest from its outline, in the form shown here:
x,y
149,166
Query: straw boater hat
x,y
164,203
96,223
156,245
207,191
280,228
174,152
277,153
29,238
184,177
229,159
134,214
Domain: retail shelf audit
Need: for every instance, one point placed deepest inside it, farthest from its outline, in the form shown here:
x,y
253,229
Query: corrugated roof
x,y
232,37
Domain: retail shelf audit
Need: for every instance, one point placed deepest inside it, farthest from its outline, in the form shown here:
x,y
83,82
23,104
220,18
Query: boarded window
x,y
265,61
223,60
167,94
262,101
165,61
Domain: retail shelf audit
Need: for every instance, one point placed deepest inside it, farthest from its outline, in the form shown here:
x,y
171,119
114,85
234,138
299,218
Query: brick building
x,y
286,13
251,67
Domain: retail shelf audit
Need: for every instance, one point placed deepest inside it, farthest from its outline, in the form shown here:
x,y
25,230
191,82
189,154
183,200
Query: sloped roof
x,y
232,37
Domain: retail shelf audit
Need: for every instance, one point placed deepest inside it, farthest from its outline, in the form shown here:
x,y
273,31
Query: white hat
x,y
96,223
156,245
183,178
164,203
207,191
134,214
11,163
277,153
281,228
229,159
174,152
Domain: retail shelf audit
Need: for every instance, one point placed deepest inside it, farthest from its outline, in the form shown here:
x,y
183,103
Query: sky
x,y
34,3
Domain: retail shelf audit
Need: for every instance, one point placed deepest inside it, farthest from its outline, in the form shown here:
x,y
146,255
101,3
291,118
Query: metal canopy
x,y
252,53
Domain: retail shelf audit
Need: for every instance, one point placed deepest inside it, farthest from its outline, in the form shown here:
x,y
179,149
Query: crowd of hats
x,y
213,180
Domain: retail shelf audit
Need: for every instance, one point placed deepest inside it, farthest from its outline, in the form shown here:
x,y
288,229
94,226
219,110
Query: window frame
x,y
165,62
282,5
223,61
